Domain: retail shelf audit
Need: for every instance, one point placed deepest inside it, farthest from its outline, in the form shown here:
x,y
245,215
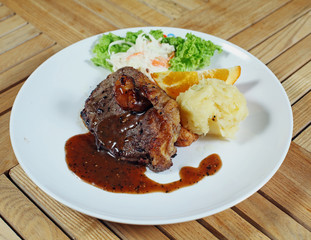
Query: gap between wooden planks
x,y
263,29
66,22
24,68
23,215
17,37
6,232
5,12
11,24
64,216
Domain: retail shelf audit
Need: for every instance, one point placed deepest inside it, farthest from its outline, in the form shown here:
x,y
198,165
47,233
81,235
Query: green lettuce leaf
x,y
100,50
191,53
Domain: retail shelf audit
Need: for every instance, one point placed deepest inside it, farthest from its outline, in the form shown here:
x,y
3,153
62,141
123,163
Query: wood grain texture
x,y
6,233
24,216
24,51
7,98
170,9
291,60
289,188
278,32
61,213
233,226
284,39
25,67
304,139
191,4
11,24
226,19
187,230
298,84
301,113
5,12
112,13
271,220
142,11
7,157
298,172
136,232
48,16
75,224
17,37
263,29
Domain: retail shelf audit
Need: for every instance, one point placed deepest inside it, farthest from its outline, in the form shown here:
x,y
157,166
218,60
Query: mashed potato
x,y
213,107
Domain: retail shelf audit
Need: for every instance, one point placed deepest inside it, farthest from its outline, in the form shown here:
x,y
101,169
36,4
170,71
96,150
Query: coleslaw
x,y
147,55
153,52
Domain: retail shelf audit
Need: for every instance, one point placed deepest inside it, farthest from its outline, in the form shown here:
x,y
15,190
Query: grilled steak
x,y
137,122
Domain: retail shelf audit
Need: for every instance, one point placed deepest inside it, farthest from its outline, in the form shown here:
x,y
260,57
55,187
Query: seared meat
x,y
186,138
133,119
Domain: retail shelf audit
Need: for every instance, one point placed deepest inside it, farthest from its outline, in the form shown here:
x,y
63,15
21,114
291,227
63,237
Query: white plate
x,y
46,113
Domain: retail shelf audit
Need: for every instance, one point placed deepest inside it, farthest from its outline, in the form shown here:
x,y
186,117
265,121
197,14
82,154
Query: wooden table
x,y
278,32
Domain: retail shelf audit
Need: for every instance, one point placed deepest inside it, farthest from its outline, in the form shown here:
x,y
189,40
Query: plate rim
x,y
161,221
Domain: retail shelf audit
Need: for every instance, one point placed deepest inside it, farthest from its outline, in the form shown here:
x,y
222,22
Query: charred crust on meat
x,y
151,133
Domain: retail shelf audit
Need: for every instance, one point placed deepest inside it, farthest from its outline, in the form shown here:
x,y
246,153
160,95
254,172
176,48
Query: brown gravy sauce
x,y
104,171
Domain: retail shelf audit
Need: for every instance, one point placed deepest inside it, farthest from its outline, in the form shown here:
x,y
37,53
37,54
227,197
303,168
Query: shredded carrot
x,y
134,54
171,56
160,61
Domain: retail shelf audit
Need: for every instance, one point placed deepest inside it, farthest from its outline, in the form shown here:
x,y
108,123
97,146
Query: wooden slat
x,y
271,220
284,39
6,232
289,188
291,60
304,139
116,16
298,172
24,51
24,216
281,210
226,19
18,37
263,29
25,68
59,212
187,231
7,157
298,84
136,232
7,98
75,224
48,16
301,113
10,24
191,4
142,11
5,12
233,226
170,9
292,199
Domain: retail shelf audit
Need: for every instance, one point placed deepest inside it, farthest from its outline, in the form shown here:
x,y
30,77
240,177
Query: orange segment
x,y
230,75
174,83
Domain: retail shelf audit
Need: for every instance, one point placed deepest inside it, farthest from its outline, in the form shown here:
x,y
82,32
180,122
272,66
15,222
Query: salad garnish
x,y
186,54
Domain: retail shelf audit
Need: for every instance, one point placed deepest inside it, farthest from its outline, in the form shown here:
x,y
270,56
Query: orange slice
x,y
174,83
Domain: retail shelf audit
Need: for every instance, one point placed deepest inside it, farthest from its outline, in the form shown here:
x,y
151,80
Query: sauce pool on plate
x,y
104,171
